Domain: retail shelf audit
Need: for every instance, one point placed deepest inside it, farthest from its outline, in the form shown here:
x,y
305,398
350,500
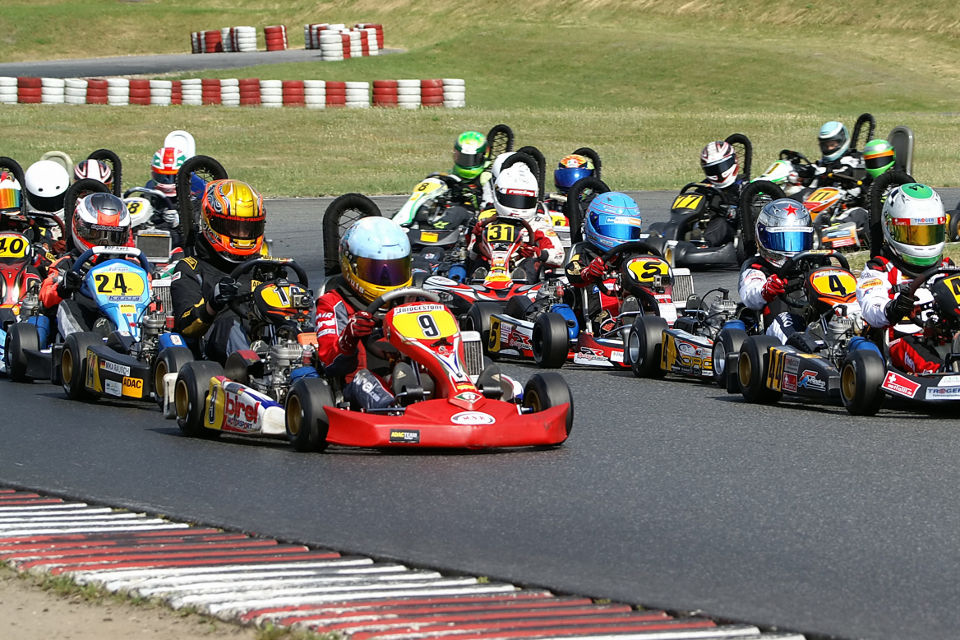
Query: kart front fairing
x,y
121,290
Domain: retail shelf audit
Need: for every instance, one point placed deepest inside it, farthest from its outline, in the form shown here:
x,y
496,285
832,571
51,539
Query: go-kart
x,y
245,396
826,295
640,282
19,284
696,206
867,376
443,398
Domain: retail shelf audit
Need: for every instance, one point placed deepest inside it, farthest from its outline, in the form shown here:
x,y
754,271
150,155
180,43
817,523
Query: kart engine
x,y
280,360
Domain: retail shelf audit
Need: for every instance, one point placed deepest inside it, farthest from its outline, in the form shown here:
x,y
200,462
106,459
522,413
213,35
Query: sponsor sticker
x,y
790,382
132,387
470,418
809,380
949,381
895,383
119,369
112,388
468,396
943,393
419,308
404,436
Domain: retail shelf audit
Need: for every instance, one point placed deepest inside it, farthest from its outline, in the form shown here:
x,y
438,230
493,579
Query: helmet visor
x,y
907,231
105,236
164,178
238,228
9,199
878,161
624,228
831,144
517,198
786,239
717,171
468,160
383,273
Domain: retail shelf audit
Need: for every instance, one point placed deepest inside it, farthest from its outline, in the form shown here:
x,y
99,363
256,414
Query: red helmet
x,y
164,167
719,163
95,170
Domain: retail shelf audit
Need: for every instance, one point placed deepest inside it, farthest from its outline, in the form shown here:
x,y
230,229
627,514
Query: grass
x,y
644,83
858,259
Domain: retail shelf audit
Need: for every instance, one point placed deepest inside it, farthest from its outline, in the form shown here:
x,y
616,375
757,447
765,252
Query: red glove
x,y
594,271
360,325
529,250
773,287
477,230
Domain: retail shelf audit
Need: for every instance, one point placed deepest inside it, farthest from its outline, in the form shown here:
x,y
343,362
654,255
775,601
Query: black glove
x,y
72,281
223,292
900,307
805,171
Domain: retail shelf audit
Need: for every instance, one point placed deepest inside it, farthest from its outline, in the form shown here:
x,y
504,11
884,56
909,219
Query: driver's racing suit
x,y
779,321
545,238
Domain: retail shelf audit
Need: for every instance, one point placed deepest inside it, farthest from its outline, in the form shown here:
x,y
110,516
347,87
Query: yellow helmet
x,y
375,257
232,219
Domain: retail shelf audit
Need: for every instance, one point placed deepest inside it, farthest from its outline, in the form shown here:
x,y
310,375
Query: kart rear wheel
x,y
337,218
953,232
550,341
726,349
404,380
73,363
752,369
861,375
190,396
307,422
546,390
170,360
644,345
20,338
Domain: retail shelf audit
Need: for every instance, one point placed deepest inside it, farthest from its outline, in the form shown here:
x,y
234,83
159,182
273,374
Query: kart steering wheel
x,y
372,343
275,267
613,256
152,193
132,252
794,157
485,245
805,260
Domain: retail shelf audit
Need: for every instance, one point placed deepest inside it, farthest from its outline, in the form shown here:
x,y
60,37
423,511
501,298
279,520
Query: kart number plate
x,y
824,194
833,282
647,269
13,245
953,285
501,233
119,285
427,325
429,236
686,201
280,297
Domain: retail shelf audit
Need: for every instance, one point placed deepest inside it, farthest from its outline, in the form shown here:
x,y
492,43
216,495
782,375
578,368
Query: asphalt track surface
x,y
669,493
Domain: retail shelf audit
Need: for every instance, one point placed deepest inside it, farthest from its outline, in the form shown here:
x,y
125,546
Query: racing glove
x,y
594,271
72,281
171,217
773,287
223,292
359,326
900,307
529,250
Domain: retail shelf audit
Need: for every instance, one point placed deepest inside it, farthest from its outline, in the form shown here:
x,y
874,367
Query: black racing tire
x,y
20,338
863,119
541,168
206,168
73,193
752,369
307,422
478,319
644,346
953,233
578,199
727,344
875,199
861,375
550,341
754,196
546,390
190,395
744,149
500,139
170,360
73,364
594,157
116,166
337,218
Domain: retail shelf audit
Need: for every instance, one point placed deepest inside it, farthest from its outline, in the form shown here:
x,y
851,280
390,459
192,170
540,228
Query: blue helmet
x,y
570,169
612,219
833,140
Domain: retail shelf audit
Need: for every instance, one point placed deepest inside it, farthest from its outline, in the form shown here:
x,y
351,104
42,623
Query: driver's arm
x,y
547,240
333,314
752,281
49,297
192,315
873,294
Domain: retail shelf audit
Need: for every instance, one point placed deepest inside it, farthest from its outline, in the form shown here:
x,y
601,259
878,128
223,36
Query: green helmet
x,y
470,154
878,156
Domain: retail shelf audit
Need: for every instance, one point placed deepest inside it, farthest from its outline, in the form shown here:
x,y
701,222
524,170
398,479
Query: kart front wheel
x,y
861,375
478,319
170,360
307,422
73,363
724,358
190,396
547,390
752,369
21,337
550,341
644,345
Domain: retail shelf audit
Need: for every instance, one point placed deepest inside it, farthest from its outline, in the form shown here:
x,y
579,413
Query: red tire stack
x,y
345,36
364,44
336,94
29,90
213,41
139,92
378,27
293,95
249,91
211,90
384,93
96,91
276,37
431,93
176,93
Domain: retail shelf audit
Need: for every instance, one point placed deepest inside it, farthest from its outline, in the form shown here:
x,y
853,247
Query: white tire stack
x,y
192,91
331,44
370,35
356,43
118,91
315,94
226,37
8,90
408,94
358,95
245,39
160,92
52,91
74,92
271,93
454,93
230,92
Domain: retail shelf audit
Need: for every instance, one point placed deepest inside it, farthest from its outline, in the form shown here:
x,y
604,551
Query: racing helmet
x,y
719,163
470,154
375,257
570,169
783,229
497,165
612,219
46,181
515,193
834,140
878,157
232,219
914,224
164,167
10,203
94,169
100,219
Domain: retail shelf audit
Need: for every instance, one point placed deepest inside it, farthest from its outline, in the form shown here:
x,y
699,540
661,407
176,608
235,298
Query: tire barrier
x,y
339,42
235,92
275,37
227,39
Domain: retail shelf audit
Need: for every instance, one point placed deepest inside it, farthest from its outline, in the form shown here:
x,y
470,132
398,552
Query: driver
x,y
98,170
783,229
232,219
836,155
374,259
719,163
914,233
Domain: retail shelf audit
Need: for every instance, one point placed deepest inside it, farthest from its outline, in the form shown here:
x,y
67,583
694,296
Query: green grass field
x,y
645,83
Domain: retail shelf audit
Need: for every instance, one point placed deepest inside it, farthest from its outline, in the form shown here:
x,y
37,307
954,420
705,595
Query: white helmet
x,y
914,224
46,181
719,163
94,170
497,165
515,193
